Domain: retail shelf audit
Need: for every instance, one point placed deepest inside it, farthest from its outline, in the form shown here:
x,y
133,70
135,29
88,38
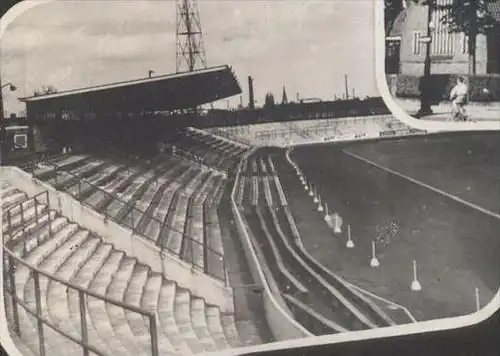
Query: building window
x,y
442,39
20,141
464,39
416,42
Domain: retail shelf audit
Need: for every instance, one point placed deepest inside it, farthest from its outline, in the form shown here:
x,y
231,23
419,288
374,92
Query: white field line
x,y
422,184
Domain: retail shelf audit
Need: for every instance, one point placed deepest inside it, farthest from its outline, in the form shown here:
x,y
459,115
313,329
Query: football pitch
x,y
434,199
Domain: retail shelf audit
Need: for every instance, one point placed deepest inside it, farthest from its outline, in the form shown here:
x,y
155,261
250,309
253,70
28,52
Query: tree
x,y
45,90
471,17
391,11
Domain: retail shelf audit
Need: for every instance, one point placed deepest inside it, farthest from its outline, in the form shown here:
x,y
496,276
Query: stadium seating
x,y
215,152
155,198
42,238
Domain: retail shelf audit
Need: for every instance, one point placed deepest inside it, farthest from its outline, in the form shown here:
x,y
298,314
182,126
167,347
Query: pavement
x,y
442,111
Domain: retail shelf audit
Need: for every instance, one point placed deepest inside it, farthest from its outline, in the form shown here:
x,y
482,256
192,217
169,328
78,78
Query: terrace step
x,y
186,323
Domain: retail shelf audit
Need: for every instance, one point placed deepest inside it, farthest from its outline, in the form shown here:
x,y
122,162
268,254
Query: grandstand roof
x,y
160,93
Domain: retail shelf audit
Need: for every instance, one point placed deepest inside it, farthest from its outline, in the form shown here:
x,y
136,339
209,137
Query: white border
x,y
7,343
408,329
396,110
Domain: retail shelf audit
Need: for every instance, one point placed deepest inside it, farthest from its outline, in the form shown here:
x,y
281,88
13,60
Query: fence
x,y
142,223
23,312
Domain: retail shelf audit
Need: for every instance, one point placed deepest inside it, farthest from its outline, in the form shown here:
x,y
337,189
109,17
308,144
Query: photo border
x,y
431,326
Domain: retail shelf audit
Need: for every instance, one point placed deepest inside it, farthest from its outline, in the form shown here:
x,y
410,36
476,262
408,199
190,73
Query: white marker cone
x,y
327,217
349,243
311,193
478,302
338,224
374,261
320,206
316,199
415,285
306,188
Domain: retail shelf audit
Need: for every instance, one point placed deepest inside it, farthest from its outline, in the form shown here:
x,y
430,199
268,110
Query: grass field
x,y
457,247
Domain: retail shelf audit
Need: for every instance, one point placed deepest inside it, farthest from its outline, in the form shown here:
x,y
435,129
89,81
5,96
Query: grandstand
x,y
298,132
131,237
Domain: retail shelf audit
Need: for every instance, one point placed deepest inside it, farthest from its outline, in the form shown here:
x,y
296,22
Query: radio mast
x,y
189,37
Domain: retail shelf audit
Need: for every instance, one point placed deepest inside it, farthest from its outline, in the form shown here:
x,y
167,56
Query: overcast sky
x,y
307,46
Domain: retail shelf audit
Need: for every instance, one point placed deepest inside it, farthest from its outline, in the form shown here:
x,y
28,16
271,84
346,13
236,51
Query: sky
x,y
306,46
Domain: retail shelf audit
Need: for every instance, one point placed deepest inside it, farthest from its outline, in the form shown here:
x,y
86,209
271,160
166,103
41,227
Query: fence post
x,y
22,214
83,323
132,217
25,249
49,218
13,295
41,340
9,222
154,335
36,210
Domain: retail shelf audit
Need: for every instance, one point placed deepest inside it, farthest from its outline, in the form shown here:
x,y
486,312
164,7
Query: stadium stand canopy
x,y
161,93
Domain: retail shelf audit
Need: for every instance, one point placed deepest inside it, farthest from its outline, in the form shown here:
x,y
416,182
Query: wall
x,y
199,284
281,324
413,64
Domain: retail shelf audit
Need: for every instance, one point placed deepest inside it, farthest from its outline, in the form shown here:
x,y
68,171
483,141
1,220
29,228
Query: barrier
x,y
20,308
282,325
213,290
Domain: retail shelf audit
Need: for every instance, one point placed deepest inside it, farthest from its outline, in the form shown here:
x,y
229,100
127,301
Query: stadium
x,y
134,223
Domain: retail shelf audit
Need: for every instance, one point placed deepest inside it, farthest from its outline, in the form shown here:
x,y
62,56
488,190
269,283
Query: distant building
x,y
284,99
405,54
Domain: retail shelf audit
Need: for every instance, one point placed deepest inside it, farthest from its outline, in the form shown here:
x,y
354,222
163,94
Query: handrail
x,y
113,301
133,207
82,292
52,326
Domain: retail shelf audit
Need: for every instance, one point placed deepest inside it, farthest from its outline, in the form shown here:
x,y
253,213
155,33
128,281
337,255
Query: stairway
x,y
186,324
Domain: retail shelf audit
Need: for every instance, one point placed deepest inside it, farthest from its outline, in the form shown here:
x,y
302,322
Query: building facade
x,y
405,50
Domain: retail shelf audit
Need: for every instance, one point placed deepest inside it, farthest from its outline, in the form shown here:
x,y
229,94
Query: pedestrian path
x,y
442,111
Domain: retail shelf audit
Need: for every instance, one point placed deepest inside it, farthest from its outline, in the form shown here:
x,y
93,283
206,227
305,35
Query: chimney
x,y
251,101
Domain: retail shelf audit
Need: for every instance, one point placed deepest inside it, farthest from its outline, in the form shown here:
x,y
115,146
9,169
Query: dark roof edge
x,y
123,84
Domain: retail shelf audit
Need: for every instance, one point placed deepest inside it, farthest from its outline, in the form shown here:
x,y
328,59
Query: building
x,y
405,52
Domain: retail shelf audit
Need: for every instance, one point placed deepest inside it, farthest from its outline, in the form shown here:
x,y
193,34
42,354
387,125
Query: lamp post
x,y
425,105
2,124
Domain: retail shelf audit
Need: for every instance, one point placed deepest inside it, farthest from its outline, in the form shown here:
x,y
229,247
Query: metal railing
x,y
21,309
29,161
91,195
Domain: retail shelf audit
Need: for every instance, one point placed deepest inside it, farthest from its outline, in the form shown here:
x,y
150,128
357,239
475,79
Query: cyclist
x,y
459,96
